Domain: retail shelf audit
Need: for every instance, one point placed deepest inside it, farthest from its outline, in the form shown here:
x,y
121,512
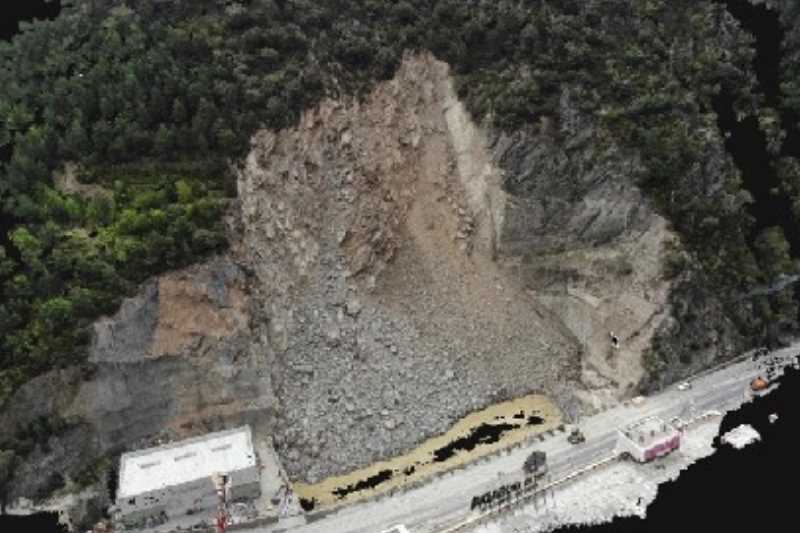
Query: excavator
x,y
576,437
759,384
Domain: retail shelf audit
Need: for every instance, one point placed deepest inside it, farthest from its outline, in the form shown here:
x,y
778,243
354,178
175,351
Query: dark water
x,y
534,420
747,144
753,489
480,435
368,483
13,11
765,25
308,505
38,523
483,434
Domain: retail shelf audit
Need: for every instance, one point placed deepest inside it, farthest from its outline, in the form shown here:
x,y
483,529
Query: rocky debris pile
x,y
411,266
386,313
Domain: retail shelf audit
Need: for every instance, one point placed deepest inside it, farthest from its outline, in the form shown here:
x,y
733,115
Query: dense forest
x,y
788,166
156,100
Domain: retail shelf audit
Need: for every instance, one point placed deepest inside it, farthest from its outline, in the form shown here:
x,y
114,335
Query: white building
x,y
178,479
648,438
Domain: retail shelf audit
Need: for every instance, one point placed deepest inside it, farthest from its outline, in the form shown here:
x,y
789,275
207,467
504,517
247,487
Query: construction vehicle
x,y
576,437
536,464
758,384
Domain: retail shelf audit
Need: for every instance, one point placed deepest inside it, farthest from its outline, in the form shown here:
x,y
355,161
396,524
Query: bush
x,y
675,263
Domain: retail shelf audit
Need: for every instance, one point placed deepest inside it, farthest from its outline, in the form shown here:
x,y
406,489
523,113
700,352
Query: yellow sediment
x,y
421,458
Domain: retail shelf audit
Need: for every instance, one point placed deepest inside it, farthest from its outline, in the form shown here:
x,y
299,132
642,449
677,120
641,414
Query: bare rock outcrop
x,y
587,245
174,361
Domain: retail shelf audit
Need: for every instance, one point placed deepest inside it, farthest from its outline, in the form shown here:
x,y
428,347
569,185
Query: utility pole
x,y
221,483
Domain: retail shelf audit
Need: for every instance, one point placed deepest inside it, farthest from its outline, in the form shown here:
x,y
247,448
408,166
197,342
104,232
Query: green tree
x,y
29,247
774,253
164,141
179,114
184,191
55,314
77,142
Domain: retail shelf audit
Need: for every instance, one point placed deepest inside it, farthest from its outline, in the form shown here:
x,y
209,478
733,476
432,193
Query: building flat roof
x,y
649,431
187,460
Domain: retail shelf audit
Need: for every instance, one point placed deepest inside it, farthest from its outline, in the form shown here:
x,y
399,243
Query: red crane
x,y
222,509
222,520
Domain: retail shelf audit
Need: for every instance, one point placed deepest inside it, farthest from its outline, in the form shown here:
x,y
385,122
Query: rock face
x,y
174,361
586,244
407,260
176,313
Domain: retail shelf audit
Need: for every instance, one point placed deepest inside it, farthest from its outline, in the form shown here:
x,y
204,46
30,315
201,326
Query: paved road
x,y
446,500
